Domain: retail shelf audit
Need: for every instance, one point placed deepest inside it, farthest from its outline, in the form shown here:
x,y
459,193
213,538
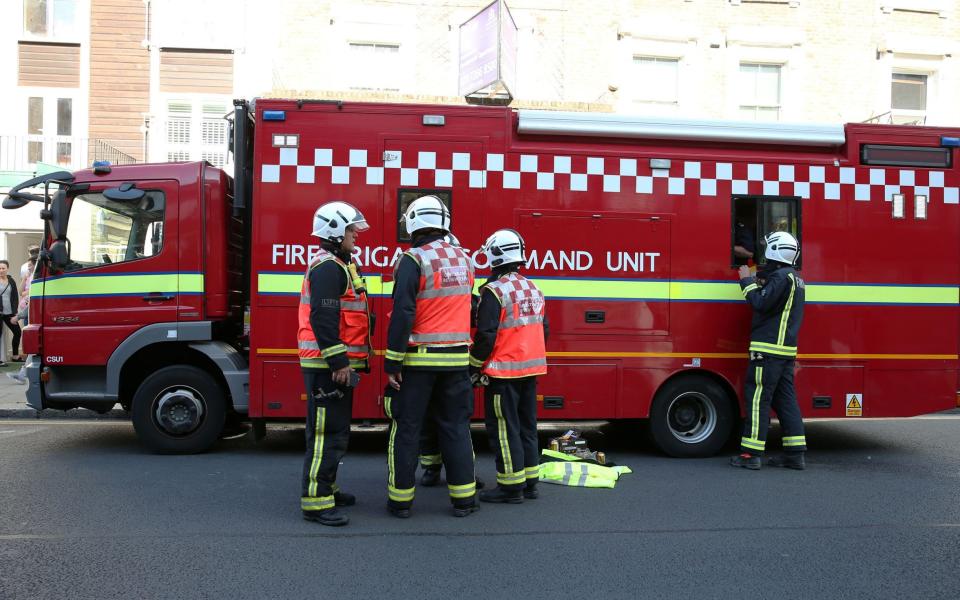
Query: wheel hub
x,y
691,417
179,410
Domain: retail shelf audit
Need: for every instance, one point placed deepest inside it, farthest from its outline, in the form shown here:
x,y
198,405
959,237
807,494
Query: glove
x,y
475,377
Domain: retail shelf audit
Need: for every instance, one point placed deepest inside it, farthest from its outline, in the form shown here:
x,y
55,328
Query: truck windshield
x,y
103,231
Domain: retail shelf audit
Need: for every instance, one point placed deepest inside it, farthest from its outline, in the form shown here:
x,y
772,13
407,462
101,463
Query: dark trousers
x,y
14,329
510,414
769,383
449,396
329,411
430,456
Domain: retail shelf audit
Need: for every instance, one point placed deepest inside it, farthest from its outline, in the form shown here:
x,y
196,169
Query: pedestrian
x,y
9,306
26,269
776,295
333,341
426,359
508,354
22,318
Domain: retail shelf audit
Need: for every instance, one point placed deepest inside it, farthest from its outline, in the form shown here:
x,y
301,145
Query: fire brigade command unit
x,y
173,289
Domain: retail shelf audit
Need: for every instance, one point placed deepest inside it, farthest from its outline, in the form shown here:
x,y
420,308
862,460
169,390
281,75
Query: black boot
x,y
789,460
502,495
747,461
398,510
530,490
464,508
344,499
430,477
330,517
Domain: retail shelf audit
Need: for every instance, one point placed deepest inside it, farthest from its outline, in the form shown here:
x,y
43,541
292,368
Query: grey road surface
x,y
85,513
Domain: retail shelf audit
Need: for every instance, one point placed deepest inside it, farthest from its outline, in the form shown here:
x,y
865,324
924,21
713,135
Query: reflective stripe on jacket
x,y
354,322
443,298
777,312
519,349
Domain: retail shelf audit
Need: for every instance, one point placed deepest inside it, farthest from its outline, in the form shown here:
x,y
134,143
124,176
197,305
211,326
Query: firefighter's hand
x,y
342,376
395,380
744,271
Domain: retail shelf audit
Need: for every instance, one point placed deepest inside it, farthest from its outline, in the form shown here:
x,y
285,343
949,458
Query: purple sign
x,y
488,49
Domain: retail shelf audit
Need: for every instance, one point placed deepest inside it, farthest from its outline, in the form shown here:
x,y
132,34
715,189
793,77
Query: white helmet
x,y
451,239
505,246
331,220
427,212
782,247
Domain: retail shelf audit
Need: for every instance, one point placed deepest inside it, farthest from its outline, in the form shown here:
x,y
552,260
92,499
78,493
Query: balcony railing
x,y
23,153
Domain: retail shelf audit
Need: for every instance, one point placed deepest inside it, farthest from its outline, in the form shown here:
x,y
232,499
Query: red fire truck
x,y
171,288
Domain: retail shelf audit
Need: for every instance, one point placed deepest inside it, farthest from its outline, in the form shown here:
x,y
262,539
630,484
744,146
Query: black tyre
x,y
179,410
691,416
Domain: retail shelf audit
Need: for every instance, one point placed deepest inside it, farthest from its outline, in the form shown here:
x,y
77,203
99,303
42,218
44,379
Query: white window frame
x,y
911,116
648,102
780,95
941,8
642,39
358,84
195,148
79,35
768,45
49,137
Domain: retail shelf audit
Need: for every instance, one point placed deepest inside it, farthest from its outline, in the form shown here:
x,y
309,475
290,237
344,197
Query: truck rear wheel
x,y
691,416
179,410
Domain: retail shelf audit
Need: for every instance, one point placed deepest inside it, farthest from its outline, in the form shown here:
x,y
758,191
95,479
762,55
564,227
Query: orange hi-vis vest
x,y
354,322
443,299
519,349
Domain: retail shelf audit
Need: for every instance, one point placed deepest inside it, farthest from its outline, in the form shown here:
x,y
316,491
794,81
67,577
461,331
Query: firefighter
x,y
333,341
509,353
427,357
776,295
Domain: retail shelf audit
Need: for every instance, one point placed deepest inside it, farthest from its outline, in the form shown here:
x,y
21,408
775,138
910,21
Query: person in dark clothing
x,y
777,296
9,306
426,359
507,356
333,341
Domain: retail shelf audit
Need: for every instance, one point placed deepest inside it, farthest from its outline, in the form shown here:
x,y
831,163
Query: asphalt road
x,y
85,513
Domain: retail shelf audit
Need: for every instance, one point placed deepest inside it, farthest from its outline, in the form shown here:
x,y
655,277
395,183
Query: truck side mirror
x,y
58,215
59,255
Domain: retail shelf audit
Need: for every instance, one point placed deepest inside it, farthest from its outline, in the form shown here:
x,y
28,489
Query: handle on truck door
x,y
157,297
595,316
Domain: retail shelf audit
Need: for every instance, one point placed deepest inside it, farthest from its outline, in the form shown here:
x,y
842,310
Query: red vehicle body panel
x,y
900,358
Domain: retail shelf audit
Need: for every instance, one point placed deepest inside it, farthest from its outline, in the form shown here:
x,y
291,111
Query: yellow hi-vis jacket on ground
x,y
564,469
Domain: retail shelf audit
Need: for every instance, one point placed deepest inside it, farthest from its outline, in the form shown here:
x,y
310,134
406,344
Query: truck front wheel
x,y
691,416
179,410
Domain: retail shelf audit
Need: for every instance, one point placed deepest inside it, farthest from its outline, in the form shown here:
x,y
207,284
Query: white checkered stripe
x,y
609,175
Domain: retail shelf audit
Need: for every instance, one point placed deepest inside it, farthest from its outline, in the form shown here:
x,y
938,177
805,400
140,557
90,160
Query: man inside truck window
x,y
744,241
333,341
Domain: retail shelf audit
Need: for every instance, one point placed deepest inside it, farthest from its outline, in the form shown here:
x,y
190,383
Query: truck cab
x,y
138,300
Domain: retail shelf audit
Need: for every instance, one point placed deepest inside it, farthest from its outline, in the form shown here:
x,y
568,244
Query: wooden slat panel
x,y
210,72
119,74
48,65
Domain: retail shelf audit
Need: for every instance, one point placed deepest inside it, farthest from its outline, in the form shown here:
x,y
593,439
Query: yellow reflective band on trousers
x,y
398,495
532,472
794,440
755,402
317,503
511,478
753,444
118,285
318,426
502,436
391,467
581,474
680,291
431,460
462,491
